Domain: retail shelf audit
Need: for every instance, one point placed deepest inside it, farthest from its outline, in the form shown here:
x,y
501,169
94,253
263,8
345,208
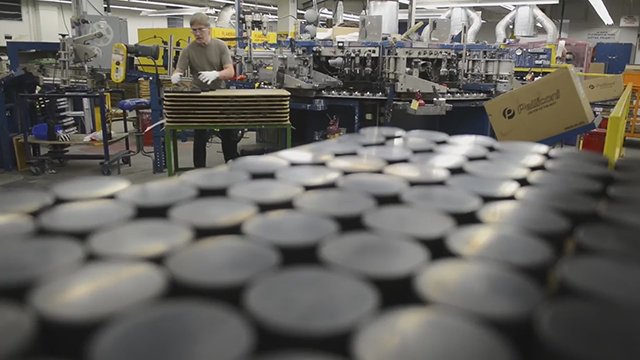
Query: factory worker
x,y
210,64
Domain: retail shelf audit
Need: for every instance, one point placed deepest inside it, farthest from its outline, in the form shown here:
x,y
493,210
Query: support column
x,y
287,14
412,14
33,19
96,9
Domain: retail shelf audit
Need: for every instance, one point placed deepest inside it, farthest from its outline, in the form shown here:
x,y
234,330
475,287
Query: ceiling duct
x,y
462,19
225,16
388,9
524,19
524,22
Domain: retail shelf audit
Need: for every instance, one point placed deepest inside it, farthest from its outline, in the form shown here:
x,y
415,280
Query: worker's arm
x,y
227,68
183,62
227,72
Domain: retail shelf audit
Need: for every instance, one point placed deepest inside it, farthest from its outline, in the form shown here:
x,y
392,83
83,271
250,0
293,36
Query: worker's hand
x,y
208,77
175,78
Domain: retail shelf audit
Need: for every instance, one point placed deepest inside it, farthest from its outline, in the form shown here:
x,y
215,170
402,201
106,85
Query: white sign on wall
x,y
630,21
603,35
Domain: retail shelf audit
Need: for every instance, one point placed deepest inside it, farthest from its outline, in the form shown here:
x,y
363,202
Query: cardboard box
x,y
596,68
547,107
603,87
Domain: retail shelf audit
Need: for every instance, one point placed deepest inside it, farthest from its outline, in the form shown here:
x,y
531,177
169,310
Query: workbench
x,y
171,138
58,149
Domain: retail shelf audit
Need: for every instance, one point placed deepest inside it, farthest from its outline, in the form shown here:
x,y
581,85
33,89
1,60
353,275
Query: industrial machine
x,y
407,67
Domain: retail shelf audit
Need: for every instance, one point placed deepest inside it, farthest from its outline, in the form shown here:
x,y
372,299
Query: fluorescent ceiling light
x,y
403,14
175,12
480,3
602,11
508,7
159,3
57,1
257,6
328,14
128,8
112,6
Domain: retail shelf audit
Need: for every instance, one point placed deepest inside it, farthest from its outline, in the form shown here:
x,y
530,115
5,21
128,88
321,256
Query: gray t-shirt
x,y
196,57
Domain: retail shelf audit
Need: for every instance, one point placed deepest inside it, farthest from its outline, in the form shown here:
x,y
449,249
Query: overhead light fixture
x,y
57,1
133,8
403,14
176,12
508,7
160,3
256,6
602,11
481,3
328,14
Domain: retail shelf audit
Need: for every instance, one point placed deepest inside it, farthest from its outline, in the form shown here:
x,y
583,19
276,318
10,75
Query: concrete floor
x,y
140,171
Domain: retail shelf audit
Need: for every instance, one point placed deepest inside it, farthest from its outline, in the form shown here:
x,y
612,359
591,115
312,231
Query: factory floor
x,y
140,171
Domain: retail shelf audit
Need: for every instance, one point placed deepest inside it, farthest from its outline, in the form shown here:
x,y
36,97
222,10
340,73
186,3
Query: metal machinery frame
x,y
7,107
14,48
8,121
159,159
171,137
391,74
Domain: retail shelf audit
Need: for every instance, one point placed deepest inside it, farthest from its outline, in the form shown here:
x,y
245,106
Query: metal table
x,y
40,161
171,138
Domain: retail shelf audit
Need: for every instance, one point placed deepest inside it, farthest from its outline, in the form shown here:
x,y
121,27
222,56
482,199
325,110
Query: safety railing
x,y
617,125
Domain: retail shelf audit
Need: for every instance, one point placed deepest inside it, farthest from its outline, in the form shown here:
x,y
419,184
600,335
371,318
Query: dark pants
x,y
229,146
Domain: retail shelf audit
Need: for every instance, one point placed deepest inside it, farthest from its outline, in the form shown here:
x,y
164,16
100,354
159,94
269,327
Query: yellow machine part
x,y
157,36
97,114
119,63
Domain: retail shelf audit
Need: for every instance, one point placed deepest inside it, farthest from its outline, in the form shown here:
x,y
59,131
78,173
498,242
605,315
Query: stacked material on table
x,y
228,106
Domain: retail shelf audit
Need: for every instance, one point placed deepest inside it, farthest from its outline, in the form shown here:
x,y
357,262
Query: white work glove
x,y
62,136
175,78
208,77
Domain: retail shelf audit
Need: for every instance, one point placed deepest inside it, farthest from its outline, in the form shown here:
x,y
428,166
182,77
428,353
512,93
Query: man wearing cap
x,y
210,64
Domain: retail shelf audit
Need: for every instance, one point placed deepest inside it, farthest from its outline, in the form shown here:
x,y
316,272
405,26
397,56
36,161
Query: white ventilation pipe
x,y
547,25
224,17
501,27
388,9
426,32
476,22
524,25
525,18
338,14
459,21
